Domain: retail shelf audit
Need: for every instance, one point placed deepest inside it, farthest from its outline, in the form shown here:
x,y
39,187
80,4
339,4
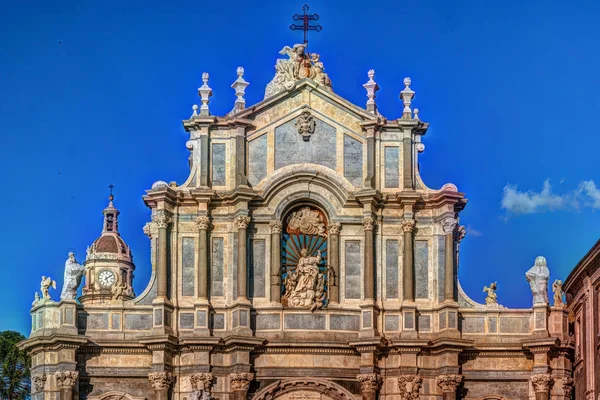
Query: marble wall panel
x,y
353,157
352,269
514,325
219,168
218,321
441,258
268,322
138,322
216,269
304,321
424,323
290,148
339,322
97,321
391,269
188,266
116,321
473,325
421,269
233,265
392,166
493,324
392,323
257,269
257,160
186,321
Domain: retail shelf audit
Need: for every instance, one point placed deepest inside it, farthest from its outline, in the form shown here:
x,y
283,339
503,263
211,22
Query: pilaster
x,y
369,385
161,382
541,384
449,383
240,313
66,380
240,383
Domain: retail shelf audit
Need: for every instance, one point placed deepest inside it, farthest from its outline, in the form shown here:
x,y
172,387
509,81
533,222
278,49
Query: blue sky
x,y
92,93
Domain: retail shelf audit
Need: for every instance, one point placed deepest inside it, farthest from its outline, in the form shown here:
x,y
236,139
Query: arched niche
x,y
304,389
115,395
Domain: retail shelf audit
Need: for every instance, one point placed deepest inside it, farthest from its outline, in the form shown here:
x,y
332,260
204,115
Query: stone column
x,y
369,384
276,227
449,384
541,386
449,225
203,224
409,386
202,384
408,273
241,223
369,274
161,381
162,221
39,382
334,261
65,380
240,382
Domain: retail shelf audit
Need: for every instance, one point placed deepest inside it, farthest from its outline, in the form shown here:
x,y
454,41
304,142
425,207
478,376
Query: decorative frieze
x,y
39,381
66,379
242,221
541,382
449,383
161,380
369,382
409,386
241,380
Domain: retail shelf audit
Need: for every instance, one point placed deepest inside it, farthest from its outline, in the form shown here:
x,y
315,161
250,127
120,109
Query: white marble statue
x,y
538,276
73,274
492,297
305,286
45,285
558,292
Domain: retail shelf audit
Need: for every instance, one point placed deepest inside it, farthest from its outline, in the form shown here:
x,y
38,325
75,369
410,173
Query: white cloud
x,y
472,231
514,201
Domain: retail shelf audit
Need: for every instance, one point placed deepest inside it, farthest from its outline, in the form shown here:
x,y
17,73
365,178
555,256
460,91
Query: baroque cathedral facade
x,y
303,258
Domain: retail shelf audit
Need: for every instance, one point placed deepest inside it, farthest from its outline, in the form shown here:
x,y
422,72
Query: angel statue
x,y
491,294
558,292
73,274
46,283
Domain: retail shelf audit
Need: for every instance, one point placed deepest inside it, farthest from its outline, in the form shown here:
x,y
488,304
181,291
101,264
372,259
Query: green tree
x,y
15,380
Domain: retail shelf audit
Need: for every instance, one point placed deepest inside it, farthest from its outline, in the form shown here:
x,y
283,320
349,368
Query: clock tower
x,y
109,264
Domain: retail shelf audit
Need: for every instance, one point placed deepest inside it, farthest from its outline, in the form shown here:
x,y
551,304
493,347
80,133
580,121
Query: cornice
x,y
53,342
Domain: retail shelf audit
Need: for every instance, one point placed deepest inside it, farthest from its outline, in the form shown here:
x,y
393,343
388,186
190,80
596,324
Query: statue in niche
x,y
492,297
73,274
307,221
538,276
558,292
305,285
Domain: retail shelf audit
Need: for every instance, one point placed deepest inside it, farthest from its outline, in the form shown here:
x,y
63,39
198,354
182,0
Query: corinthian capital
x,y
409,386
203,222
276,226
161,219
567,386
202,381
242,221
334,228
368,223
161,380
66,379
408,225
541,382
449,224
369,382
449,382
241,380
39,381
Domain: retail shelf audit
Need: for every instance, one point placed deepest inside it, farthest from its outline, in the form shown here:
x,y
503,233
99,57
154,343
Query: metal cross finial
x,y
111,197
305,18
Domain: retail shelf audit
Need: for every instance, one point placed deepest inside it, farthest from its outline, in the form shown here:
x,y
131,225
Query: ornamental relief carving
x,y
39,381
409,386
307,221
241,380
161,380
66,379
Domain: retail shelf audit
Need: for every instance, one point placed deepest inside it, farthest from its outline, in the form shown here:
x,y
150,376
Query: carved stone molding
x,y
541,382
461,233
368,223
305,124
334,228
203,222
409,386
449,382
241,380
449,224
567,386
161,219
276,226
66,379
202,381
242,221
161,380
408,225
147,230
369,382
39,381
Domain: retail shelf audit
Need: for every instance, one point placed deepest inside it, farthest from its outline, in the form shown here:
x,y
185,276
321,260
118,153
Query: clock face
x,y
106,278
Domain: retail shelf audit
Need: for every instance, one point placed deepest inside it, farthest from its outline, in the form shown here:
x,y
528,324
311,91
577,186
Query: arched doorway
x,y
305,272
303,389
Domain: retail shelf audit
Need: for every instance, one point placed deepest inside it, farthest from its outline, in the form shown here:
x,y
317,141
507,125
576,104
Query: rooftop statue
x,y
298,66
45,285
492,297
73,274
538,276
558,292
